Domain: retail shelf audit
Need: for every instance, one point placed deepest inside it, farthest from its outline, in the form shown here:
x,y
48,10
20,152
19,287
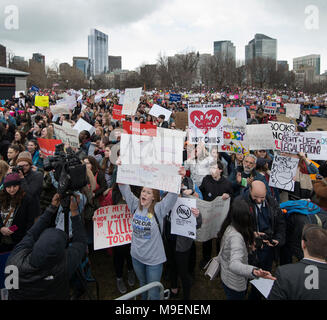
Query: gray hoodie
x,y
147,246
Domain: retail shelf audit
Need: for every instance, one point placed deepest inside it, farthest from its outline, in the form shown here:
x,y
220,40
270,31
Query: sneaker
x,y
131,278
121,286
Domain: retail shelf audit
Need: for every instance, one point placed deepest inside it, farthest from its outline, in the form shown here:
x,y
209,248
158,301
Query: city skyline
x,y
140,31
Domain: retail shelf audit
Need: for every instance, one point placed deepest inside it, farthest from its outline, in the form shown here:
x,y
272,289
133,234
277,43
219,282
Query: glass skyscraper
x,y
261,46
224,48
98,52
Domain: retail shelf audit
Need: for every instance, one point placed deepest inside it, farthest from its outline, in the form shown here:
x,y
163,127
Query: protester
x,y
147,249
45,263
13,152
268,223
4,167
320,187
33,149
32,180
307,279
304,120
18,211
244,175
237,239
213,186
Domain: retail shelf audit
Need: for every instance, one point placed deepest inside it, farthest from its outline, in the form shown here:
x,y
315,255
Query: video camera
x,y
69,171
17,169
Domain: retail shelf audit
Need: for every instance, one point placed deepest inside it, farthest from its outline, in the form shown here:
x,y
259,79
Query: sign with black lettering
x,y
278,130
306,142
183,222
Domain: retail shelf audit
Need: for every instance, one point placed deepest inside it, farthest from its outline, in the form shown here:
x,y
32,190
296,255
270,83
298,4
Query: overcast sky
x,y
139,30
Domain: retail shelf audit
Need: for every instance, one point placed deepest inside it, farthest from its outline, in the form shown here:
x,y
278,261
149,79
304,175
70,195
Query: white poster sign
x,y
152,161
213,215
283,171
259,137
278,130
323,144
306,142
237,112
293,110
205,124
112,226
66,135
83,125
131,101
234,136
183,222
156,111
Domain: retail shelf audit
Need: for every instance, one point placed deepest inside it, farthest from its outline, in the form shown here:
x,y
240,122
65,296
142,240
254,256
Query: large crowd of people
x,y
256,236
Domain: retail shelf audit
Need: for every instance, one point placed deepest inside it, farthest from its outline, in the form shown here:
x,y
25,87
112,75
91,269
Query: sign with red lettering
x,y
112,226
205,123
140,129
116,112
48,146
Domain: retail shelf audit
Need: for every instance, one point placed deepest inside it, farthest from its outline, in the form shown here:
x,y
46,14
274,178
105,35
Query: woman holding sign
x,y
147,249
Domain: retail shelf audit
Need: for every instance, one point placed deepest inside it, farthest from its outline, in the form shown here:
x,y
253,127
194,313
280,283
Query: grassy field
x,y
203,288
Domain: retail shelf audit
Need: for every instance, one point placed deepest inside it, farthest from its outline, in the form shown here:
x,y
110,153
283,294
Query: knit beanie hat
x,y
12,179
25,156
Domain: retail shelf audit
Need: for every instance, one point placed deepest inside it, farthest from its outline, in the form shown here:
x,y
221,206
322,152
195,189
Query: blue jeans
x,y
147,274
232,294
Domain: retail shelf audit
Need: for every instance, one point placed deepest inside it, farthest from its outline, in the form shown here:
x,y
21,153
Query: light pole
x,y
67,84
91,84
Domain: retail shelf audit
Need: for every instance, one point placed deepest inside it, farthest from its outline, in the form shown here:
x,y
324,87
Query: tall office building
x,y
312,61
38,57
225,48
82,63
98,52
3,56
261,47
114,63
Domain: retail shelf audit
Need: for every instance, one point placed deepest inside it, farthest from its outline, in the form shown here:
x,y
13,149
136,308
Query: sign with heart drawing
x,y
205,124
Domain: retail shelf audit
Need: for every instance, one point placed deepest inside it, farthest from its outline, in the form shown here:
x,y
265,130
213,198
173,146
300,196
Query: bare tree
x,y
162,71
148,73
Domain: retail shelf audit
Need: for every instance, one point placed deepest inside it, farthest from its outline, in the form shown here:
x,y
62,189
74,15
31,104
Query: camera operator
x,y
44,261
32,181
269,226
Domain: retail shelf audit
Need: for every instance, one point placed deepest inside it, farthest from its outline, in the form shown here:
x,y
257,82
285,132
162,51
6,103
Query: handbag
x,y
213,266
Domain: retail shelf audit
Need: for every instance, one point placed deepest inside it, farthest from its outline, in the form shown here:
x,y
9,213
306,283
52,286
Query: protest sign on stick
x,y
112,226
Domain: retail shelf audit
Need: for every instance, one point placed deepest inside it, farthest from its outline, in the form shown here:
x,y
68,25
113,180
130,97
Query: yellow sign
x,y
41,101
